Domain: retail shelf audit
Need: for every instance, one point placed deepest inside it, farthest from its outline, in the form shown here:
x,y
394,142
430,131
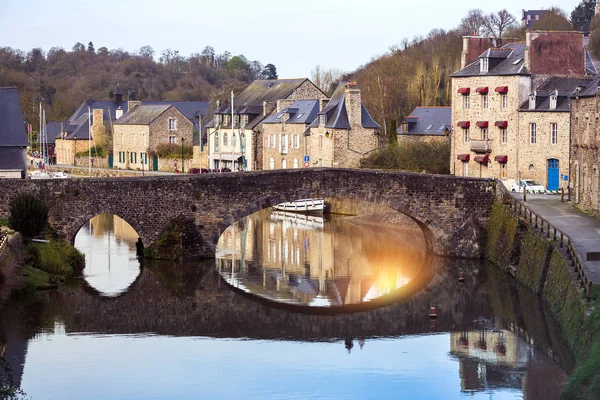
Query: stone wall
x,y
538,154
66,149
452,211
294,157
585,158
307,91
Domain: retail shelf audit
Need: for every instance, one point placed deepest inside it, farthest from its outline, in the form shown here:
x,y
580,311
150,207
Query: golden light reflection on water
x,y
319,261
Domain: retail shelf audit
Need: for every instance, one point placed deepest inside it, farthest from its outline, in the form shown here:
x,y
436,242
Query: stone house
x,y
429,124
235,136
321,133
530,17
13,138
493,124
585,140
138,133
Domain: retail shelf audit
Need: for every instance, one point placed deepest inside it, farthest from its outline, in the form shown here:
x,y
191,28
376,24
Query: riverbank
x,y
542,263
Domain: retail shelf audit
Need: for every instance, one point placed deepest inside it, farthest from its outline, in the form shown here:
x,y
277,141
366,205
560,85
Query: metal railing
x,y
555,234
3,242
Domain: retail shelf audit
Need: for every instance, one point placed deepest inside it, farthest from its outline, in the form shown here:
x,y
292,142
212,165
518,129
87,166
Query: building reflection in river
x,y
316,260
108,243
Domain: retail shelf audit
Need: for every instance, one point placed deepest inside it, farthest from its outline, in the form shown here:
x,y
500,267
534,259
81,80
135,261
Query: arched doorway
x,y
553,174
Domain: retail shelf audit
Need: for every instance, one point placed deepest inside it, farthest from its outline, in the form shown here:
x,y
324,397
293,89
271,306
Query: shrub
x,y
28,215
412,155
56,257
168,150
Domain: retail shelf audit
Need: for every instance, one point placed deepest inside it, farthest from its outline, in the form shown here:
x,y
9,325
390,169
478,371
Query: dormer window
x,y
532,101
216,120
244,120
322,119
553,101
484,64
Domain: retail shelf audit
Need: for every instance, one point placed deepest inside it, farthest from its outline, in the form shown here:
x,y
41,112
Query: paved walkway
x,y
583,229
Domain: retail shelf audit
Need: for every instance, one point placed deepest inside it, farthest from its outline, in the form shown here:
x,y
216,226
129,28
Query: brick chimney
x,y
97,117
284,103
555,53
353,104
323,104
131,104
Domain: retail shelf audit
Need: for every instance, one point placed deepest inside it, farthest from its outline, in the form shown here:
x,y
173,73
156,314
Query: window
x,y
532,134
284,143
484,101
295,163
269,140
465,169
502,170
271,163
283,164
233,140
225,139
466,135
553,133
429,127
297,139
466,101
484,65
322,119
504,100
172,124
503,135
484,133
553,101
225,119
144,157
216,142
244,120
171,139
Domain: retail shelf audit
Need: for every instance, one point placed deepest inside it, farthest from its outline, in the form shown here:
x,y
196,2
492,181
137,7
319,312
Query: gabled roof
x,y
587,88
337,114
562,87
428,121
510,60
53,131
301,112
77,124
143,114
191,109
12,126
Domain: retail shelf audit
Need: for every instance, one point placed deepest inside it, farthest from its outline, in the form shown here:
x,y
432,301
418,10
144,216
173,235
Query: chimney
x,y
131,104
473,46
284,103
353,104
555,53
322,104
118,112
264,108
118,94
97,117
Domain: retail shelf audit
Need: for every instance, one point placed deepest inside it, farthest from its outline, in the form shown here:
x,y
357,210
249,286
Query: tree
x,y
103,51
28,215
270,72
498,23
474,23
325,79
90,47
146,52
78,47
237,63
554,20
582,15
392,134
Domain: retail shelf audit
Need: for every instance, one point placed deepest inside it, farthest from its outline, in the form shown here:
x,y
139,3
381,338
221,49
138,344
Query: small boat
x,y
305,221
303,205
39,175
59,175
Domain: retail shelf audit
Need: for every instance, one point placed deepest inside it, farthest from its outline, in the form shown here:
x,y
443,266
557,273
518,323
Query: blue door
x,y
553,174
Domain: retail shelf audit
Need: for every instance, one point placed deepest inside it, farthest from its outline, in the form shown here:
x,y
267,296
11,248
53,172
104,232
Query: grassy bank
x,y
48,265
584,383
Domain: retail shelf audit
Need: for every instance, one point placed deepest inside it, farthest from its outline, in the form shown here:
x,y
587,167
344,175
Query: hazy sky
x,y
293,35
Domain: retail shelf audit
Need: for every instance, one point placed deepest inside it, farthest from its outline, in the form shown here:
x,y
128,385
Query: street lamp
x,y
143,142
182,165
75,152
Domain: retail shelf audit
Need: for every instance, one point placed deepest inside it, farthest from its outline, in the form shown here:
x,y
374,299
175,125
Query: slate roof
x,y
12,127
78,123
143,114
429,121
588,88
533,13
337,114
564,88
510,60
191,109
301,112
52,131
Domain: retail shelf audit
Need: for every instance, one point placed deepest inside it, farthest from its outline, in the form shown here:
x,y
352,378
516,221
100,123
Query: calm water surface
x,y
293,308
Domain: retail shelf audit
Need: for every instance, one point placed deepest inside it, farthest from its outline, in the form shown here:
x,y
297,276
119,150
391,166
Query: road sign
x,y
306,159
306,164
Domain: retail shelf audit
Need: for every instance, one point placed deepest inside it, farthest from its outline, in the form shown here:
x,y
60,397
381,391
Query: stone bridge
x,y
452,211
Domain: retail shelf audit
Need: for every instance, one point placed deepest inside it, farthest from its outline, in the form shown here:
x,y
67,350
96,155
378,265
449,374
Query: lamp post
x,y
182,165
75,152
143,142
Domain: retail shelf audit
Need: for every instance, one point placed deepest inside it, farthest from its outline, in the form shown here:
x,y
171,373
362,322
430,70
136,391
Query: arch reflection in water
x,y
319,260
108,243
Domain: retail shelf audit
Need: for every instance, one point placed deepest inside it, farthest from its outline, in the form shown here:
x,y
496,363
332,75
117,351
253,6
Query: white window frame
x,y
484,101
172,124
484,134
269,140
532,133
504,135
553,133
466,101
172,140
484,65
504,100
466,137
322,119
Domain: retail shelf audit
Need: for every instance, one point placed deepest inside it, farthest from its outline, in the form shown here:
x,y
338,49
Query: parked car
x,y
530,185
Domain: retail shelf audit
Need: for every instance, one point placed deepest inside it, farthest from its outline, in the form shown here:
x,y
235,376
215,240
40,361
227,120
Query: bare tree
x,y
497,24
325,79
474,23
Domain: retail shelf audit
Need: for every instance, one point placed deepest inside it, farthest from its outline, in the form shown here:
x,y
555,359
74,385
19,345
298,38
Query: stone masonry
x,y
452,211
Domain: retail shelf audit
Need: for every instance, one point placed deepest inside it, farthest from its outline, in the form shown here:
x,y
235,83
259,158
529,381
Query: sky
x,y
293,35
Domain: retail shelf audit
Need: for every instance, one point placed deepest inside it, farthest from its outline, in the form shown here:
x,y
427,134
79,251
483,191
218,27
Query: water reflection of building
x,y
307,259
122,231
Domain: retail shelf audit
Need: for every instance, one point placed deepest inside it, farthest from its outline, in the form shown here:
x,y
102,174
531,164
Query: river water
x,y
294,307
